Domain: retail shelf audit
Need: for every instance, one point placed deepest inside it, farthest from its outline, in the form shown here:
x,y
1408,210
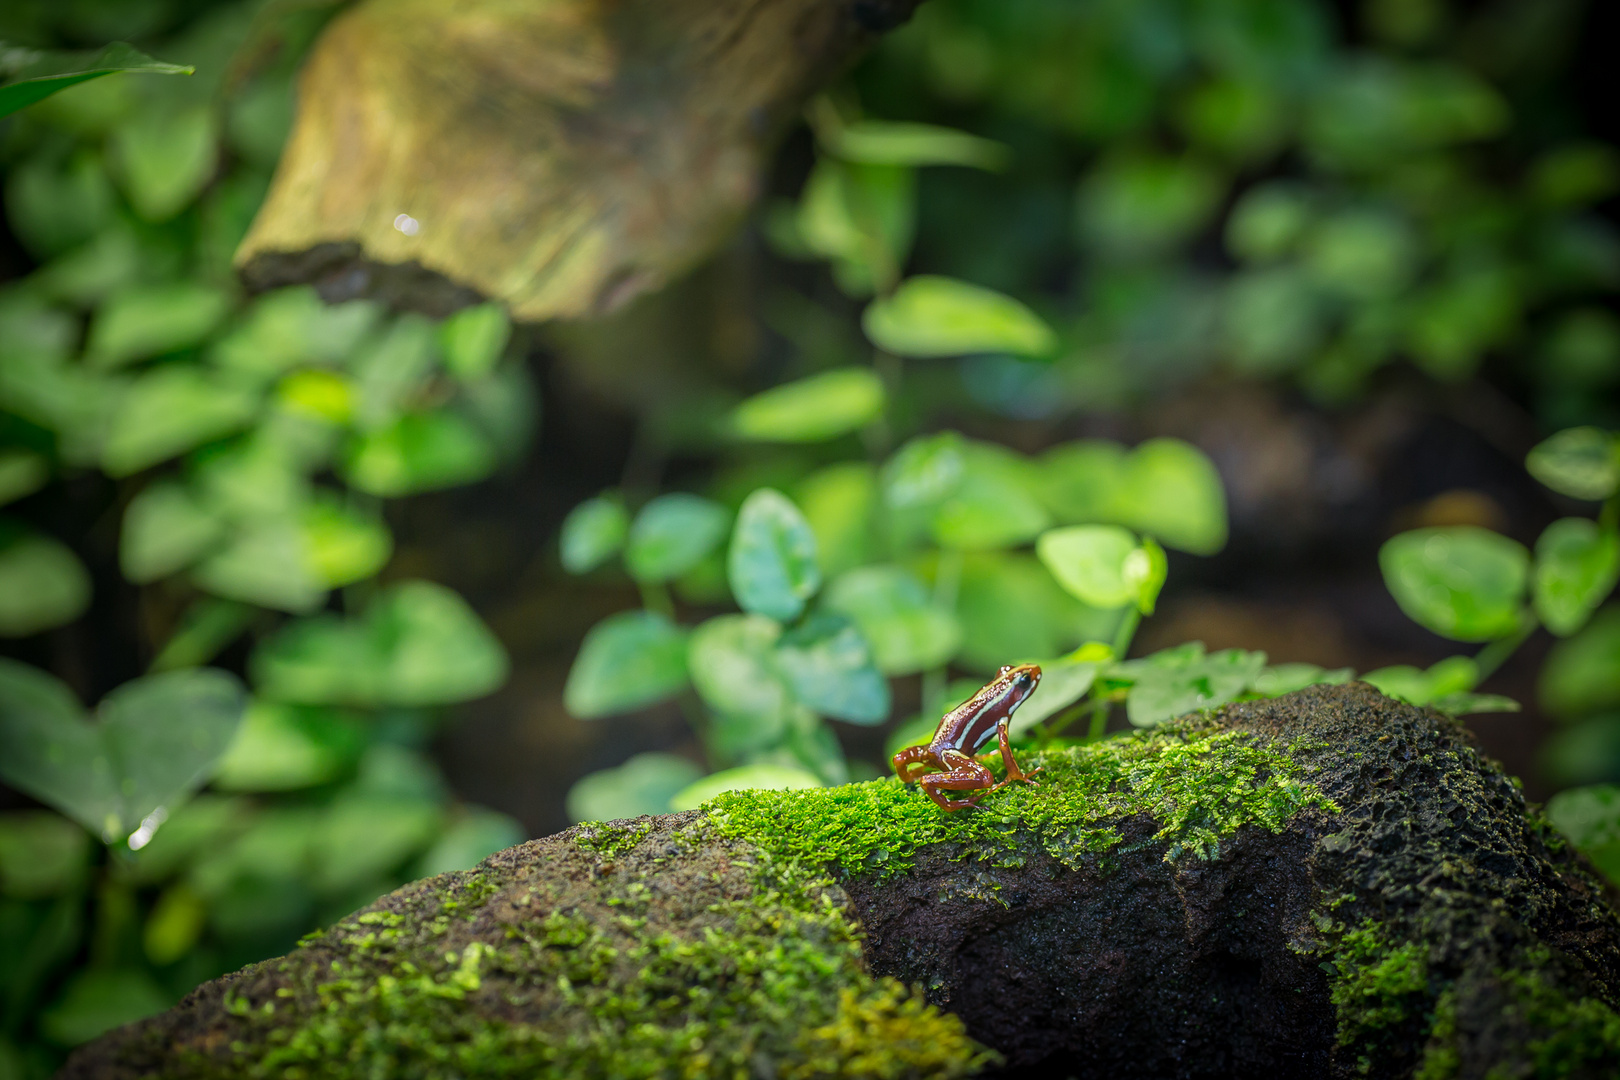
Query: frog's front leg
x,y
1013,771
964,774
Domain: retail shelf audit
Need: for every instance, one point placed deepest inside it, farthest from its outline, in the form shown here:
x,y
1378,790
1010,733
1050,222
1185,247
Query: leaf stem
x,y
1099,718
655,597
1126,631
1492,656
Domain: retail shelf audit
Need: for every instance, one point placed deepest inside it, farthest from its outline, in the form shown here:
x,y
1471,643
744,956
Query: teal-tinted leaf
x,y
1184,682
671,535
288,327
30,75
471,839
762,777
820,407
839,502
1280,679
888,142
993,505
829,668
1577,564
593,532
896,616
285,747
1135,204
148,320
42,584
166,529
417,644
811,743
1090,562
1582,675
925,470
419,452
627,661
772,562
165,158
1009,607
169,411
98,1000
732,659
643,785
1590,817
155,742
41,854
22,473
1172,492
1582,462
938,316
473,340
1462,582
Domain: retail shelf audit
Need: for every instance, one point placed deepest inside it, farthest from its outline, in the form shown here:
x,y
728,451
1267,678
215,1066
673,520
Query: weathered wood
x,y
1330,884
562,156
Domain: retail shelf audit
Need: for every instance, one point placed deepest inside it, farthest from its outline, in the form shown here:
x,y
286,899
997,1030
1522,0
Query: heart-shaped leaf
x,y
1462,582
1577,564
939,316
642,785
628,661
896,616
772,562
829,666
593,533
154,742
822,406
671,535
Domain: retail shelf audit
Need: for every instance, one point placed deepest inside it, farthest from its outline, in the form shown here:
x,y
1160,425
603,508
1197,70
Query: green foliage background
x,y
1012,212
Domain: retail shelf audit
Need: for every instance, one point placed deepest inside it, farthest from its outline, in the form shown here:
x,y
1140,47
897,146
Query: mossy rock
x,y
1330,884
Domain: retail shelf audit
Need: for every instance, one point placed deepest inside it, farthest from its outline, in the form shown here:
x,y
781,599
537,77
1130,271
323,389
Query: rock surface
x,y
1329,884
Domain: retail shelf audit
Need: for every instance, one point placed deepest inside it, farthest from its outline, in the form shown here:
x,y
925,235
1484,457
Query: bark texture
x,y
560,156
1330,884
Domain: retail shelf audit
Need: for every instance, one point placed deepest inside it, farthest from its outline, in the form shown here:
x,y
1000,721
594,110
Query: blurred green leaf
x,y
1583,349
390,368
1462,582
55,205
1590,817
1268,221
593,532
168,411
30,75
1009,606
419,452
417,644
732,660
362,837
282,747
839,502
672,534
1577,565
1236,117
1280,679
166,529
896,616
761,777
772,561
1090,562
862,217
288,327
1135,204
820,407
97,1000
41,854
1455,675
888,142
147,320
289,562
925,470
104,265
1172,492
643,785
1582,462
1361,253
156,742
1080,481
33,328
1463,703
470,840
42,584
993,505
1582,675
627,661
1576,174
1375,110
1175,682
938,316
1272,320
208,625
1063,682
829,667
345,545
473,340
175,924
165,158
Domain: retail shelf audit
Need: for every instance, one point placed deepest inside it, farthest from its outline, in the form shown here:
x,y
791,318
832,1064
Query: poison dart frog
x,y
946,763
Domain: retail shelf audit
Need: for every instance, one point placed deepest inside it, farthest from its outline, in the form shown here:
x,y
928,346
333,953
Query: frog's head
x,y
1022,677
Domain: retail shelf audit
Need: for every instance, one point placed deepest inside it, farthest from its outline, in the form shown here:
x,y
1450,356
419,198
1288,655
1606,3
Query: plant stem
x,y
1126,631
655,597
1099,718
1496,653
1609,516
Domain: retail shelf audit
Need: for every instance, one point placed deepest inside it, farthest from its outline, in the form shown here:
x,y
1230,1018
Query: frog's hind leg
x,y
965,775
914,761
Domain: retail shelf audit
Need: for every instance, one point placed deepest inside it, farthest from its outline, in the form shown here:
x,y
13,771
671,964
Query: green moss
x,y
610,839
1441,1061
617,962
1377,983
1581,1032
1199,787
